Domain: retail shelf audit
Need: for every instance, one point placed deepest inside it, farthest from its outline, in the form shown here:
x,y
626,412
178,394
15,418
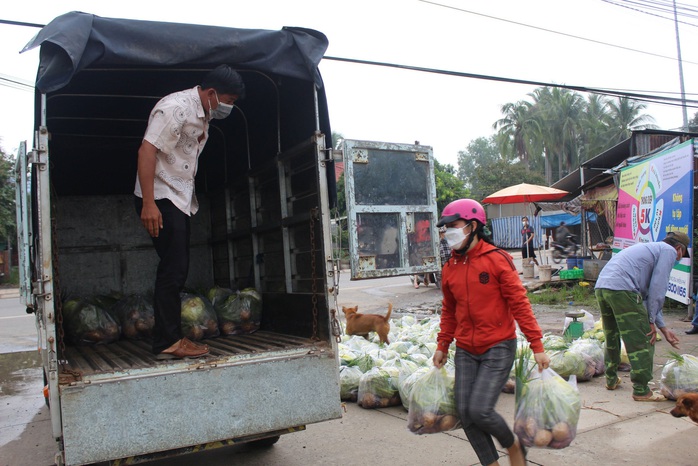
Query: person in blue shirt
x,y
630,291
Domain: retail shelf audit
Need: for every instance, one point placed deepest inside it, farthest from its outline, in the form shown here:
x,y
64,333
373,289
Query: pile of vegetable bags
x,y
378,376
406,354
679,375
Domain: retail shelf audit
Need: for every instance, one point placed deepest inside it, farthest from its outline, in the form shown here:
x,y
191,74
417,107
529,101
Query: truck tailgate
x,y
249,384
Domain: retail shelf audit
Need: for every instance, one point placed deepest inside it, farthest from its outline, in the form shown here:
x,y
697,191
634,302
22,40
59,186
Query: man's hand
x,y
652,334
152,219
439,359
670,337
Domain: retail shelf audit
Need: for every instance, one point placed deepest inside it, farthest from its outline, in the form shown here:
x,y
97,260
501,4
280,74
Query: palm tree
x,y
624,116
514,129
560,111
594,127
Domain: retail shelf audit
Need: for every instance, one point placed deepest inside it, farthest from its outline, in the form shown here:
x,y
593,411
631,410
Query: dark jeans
x,y
479,381
172,247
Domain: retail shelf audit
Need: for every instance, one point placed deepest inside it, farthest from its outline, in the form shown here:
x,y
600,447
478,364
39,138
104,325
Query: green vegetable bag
x,y
238,312
547,410
679,375
432,406
378,388
198,317
87,323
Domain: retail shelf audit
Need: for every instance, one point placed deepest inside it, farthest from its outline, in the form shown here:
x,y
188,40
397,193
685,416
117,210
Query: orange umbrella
x,y
522,193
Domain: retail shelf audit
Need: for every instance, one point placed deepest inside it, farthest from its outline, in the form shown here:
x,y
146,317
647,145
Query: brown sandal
x,y
615,385
652,396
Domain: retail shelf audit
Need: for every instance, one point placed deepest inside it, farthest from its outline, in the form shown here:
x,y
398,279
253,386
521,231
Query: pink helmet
x,y
467,209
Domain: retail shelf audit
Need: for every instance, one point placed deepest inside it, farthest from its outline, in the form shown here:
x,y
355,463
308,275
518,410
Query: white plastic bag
x,y
547,410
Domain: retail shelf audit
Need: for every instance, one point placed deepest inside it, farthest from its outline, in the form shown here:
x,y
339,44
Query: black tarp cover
x,y
75,41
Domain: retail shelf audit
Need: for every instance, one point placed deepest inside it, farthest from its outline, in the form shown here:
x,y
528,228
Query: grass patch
x,y
564,294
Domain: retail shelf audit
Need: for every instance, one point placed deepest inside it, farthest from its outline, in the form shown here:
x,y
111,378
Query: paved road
x,y
613,429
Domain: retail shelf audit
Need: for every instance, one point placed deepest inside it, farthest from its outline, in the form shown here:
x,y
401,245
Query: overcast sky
x,y
506,38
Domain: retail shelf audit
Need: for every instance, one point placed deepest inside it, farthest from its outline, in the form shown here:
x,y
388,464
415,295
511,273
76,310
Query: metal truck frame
x,y
266,185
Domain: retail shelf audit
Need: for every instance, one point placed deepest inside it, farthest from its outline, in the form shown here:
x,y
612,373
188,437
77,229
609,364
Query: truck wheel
x,y
264,442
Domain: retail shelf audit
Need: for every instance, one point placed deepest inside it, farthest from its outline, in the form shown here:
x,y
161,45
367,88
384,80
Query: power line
x,y
639,96
552,31
653,14
21,23
15,83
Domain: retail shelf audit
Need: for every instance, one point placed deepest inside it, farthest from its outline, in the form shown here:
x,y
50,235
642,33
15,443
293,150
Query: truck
x,y
266,185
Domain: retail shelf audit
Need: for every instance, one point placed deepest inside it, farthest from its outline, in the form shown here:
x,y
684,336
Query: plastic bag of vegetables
x,y
349,383
136,317
567,363
679,375
406,382
547,410
432,406
87,323
378,388
592,349
198,317
239,312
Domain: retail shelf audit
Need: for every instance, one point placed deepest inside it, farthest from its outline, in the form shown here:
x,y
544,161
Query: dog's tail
x,y
390,309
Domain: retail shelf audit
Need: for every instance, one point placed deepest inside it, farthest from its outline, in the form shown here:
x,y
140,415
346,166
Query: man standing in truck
x,y
165,193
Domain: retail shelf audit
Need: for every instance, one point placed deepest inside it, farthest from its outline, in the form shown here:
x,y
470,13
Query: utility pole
x,y
683,89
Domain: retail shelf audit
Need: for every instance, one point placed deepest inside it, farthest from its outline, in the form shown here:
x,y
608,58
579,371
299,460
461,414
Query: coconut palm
x,y
626,115
594,127
514,130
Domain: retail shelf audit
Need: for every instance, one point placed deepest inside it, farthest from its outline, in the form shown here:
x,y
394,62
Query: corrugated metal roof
x,y
639,143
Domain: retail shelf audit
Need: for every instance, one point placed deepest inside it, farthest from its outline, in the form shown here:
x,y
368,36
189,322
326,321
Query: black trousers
x,y
172,247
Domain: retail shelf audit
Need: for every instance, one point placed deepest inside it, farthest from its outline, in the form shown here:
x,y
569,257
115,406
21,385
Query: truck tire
x,y
264,442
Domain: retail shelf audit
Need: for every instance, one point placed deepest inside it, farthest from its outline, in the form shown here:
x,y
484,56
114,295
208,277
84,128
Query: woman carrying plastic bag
x,y
483,300
547,410
432,405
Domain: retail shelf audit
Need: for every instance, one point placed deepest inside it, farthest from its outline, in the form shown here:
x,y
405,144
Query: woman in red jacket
x,y
483,298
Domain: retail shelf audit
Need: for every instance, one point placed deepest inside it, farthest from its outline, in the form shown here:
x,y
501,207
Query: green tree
x,y
337,139
626,115
558,112
693,123
559,127
448,186
594,127
501,174
515,130
480,151
484,170
8,223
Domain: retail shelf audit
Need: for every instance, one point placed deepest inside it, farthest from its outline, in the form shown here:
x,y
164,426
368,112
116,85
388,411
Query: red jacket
x,y
483,296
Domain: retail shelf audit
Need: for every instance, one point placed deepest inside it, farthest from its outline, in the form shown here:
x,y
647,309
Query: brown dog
x,y
361,324
686,405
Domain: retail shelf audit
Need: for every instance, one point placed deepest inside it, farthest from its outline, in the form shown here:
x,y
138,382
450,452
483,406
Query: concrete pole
x,y
678,52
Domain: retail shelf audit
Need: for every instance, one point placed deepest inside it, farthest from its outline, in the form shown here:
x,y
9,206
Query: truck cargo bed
x,y
130,357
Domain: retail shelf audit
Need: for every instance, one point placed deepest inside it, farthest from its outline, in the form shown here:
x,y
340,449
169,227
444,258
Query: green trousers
x,y
624,316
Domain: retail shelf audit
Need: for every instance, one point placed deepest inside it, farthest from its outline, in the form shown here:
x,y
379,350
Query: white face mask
x,y
220,112
455,237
